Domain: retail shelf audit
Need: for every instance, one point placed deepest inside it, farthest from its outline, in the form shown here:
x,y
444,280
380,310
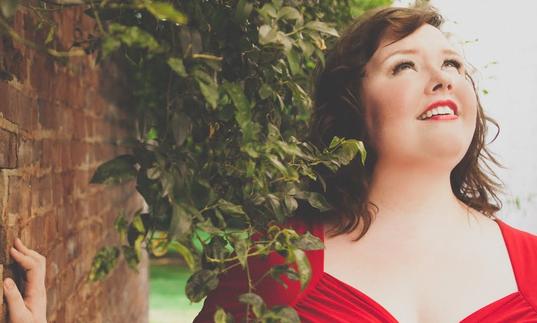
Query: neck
x,y
415,196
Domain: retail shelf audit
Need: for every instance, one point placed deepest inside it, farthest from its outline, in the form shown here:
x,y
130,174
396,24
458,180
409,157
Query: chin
x,y
451,152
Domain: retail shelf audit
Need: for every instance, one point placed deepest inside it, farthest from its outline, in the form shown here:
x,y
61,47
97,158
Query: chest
x,y
439,282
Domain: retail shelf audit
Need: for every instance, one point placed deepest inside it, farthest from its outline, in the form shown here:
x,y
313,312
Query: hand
x,y
33,308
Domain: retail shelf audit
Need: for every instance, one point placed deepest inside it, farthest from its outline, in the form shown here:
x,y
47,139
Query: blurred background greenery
x,y
167,300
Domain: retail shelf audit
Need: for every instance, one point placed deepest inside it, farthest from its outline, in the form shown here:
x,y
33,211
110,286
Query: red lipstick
x,y
449,103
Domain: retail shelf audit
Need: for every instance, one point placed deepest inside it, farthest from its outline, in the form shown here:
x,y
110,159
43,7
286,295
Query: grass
x,y
167,300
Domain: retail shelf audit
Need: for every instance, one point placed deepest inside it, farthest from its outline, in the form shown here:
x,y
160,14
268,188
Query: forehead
x,y
425,38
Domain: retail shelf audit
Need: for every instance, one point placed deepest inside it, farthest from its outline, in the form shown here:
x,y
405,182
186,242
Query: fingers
x,y
26,251
21,247
35,266
17,309
25,261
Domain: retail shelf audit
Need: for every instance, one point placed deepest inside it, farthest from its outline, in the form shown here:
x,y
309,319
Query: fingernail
x,y
8,283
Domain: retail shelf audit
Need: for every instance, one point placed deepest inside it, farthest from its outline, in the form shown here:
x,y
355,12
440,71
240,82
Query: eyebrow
x,y
414,51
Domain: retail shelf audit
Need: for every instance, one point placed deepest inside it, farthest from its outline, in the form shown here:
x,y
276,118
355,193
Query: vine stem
x,y
6,28
97,18
250,287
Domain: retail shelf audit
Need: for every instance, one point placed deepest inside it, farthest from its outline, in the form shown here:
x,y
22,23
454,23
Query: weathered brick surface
x,y
57,124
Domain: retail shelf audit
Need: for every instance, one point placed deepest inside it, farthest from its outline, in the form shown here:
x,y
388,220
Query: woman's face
x,y
402,79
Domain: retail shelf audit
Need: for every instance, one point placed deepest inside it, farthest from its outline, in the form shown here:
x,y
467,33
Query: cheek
x,y
387,103
468,101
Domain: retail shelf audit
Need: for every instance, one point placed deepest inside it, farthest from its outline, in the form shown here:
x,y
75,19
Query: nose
x,y
440,81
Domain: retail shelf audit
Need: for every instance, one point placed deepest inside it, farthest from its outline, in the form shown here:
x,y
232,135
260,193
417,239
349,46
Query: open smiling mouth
x,y
446,110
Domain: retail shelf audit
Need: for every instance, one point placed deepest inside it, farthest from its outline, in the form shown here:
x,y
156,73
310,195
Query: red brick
x,y
79,119
40,71
52,154
26,153
67,291
79,153
68,183
67,219
41,191
47,114
8,149
15,197
66,128
26,113
51,228
57,189
81,180
32,234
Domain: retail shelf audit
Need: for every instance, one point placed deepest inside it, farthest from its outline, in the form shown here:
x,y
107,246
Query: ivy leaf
x,y
277,163
321,27
131,255
181,223
242,246
315,199
258,305
294,62
50,34
121,225
200,284
220,316
345,150
208,227
216,249
181,127
243,113
159,243
290,13
103,263
268,11
131,36
281,314
176,64
185,253
278,270
307,48
308,241
243,10
290,203
265,91
115,171
303,265
208,87
166,11
230,208
267,34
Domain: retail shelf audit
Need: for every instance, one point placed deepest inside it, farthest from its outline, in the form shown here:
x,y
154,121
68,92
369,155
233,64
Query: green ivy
x,y
221,95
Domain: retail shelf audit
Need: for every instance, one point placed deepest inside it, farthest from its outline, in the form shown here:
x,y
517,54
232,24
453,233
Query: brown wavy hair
x,y
338,111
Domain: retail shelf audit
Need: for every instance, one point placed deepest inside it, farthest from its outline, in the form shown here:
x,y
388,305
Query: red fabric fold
x,y
327,299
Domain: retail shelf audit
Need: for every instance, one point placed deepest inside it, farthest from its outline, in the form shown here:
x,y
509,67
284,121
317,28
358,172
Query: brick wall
x,y
56,127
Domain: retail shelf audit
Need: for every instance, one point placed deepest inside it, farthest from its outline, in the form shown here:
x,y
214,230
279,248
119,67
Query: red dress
x,y
327,299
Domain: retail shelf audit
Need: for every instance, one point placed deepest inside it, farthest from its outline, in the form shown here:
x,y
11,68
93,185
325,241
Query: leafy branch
x,y
220,95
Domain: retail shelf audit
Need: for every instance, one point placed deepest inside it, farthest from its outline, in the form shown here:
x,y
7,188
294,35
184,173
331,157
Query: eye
x,y
453,62
402,66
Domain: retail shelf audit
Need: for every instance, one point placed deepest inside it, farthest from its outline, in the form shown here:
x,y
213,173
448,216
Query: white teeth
x,y
435,111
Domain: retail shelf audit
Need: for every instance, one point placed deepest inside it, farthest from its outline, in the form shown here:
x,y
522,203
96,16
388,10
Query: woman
x,y
33,308
413,237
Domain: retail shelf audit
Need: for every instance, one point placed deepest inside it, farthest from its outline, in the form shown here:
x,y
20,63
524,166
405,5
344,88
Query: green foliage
x,y
115,171
220,93
103,263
